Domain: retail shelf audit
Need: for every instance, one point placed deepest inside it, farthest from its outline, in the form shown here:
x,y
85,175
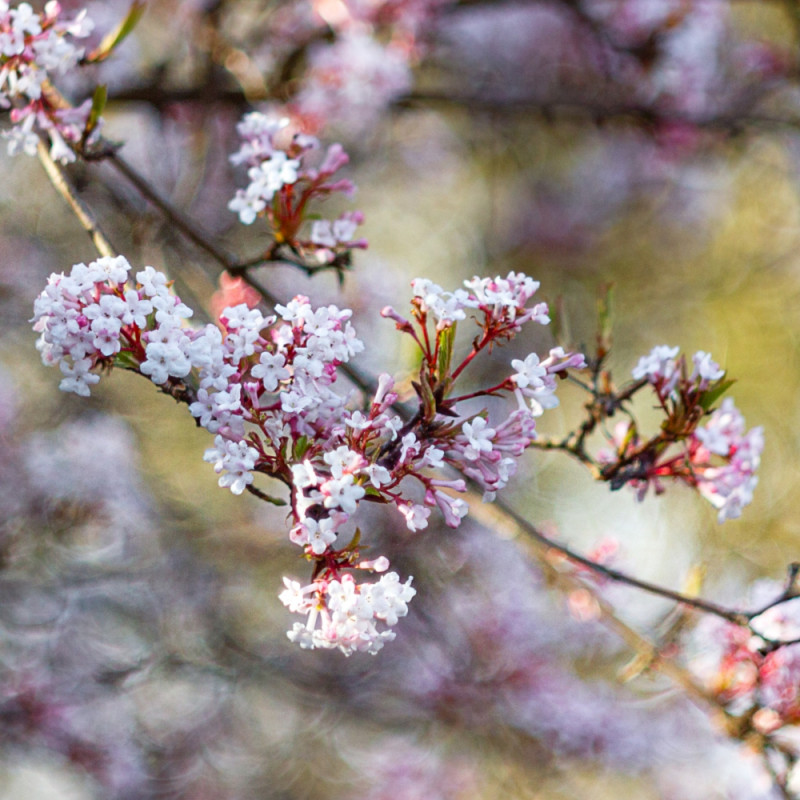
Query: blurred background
x,y
648,144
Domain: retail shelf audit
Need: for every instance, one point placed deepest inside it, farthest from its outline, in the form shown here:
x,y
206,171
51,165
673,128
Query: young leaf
x,y
354,542
115,37
426,395
713,393
445,342
605,319
301,446
99,99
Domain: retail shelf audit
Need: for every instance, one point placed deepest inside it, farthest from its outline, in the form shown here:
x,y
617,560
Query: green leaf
x,y
713,393
115,37
353,542
126,360
268,498
445,342
301,446
99,99
605,318
425,391
630,436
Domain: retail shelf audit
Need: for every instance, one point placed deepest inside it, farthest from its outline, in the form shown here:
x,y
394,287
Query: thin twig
x,y
506,523
532,532
171,214
646,116
84,214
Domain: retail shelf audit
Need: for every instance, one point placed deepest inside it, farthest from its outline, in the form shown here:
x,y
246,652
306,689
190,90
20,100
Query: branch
x,y
507,524
84,214
646,116
178,220
532,532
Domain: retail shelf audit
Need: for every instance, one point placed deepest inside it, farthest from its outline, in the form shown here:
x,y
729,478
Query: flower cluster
x,y
347,612
750,670
667,373
729,485
352,81
95,317
34,46
358,57
263,385
719,458
286,173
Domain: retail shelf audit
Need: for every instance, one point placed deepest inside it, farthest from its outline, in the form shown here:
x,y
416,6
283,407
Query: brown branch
x,y
507,524
68,192
532,532
646,116
177,219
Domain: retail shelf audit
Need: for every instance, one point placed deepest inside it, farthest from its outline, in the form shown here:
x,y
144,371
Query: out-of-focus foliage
x,y
649,143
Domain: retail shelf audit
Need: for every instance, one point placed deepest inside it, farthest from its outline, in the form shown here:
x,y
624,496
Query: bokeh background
x,y
648,144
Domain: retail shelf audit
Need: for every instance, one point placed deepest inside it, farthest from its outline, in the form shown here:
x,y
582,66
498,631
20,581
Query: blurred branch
x,y
508,524
68,192
645,116
549,108
154,94
177,219
533,533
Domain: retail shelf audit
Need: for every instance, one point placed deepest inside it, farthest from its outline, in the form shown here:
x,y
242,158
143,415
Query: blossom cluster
x,y
347,611
96,317
719,457
485,453
263,385
359,57
34,46
749,669
667,373
695,52
352,81
286,172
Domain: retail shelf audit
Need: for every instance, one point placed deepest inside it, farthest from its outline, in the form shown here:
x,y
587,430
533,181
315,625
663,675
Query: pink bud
x,y
402,323
335,159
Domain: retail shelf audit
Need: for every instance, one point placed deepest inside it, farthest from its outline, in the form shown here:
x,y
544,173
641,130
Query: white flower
x,y
153,282
234,458
705,368
77,377
479,438
342,493
658,364
416,516
318,534
270,370
528,372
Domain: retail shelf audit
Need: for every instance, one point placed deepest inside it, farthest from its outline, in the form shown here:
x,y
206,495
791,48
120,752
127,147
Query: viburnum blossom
x,y
754,670
728,487
345,614
286,172
353,80
718,457
264,386
33,47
